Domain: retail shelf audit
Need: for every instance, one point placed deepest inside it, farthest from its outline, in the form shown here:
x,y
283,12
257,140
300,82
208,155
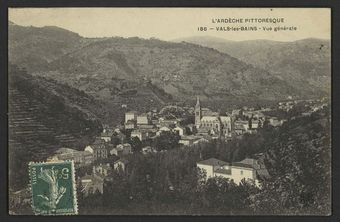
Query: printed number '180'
x,y
202,29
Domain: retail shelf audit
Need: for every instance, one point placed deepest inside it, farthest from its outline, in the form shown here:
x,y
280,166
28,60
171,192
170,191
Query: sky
x,y
175,23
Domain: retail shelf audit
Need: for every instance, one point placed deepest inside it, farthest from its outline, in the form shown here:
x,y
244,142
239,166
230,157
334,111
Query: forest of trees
x,y
297,156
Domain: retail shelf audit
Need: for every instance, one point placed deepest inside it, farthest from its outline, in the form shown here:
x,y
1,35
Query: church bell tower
x,y
198,113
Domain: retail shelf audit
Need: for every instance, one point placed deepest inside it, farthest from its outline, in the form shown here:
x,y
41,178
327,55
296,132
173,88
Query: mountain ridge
x,y
296,62
182,70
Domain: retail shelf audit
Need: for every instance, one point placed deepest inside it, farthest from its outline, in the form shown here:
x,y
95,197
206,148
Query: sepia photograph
x,y
169,111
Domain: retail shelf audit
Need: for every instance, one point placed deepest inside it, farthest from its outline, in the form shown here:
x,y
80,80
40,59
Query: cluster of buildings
x,y
94,182
103,157
207,124
148,126
287,105
312,106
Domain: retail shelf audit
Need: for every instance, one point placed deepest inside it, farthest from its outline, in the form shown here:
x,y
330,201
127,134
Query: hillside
x,y
119,69
304,62
34,47
298,153
43,117
182,70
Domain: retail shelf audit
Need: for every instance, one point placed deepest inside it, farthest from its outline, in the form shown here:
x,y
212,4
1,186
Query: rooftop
x,y
241,122
246,163
122,146
93,178
213,162
66,150
131,112
190,137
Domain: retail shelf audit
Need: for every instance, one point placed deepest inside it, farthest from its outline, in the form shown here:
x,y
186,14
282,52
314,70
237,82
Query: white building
x,y
89,149
241,126
139,133
143,119
237,171
80,158
255,124
163,129
132,115
180,130
209,166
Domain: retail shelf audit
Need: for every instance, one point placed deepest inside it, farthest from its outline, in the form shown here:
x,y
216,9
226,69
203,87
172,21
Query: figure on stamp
x,y
55,192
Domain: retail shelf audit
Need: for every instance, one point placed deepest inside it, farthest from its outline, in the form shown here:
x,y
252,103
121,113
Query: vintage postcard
x,y
169,111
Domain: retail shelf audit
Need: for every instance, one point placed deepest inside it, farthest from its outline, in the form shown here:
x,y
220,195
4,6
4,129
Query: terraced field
x,y
39,123
30,138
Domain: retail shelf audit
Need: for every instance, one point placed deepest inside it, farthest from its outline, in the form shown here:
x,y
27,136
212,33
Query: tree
x,y
299,153
116,191
115,140
136,144
166,141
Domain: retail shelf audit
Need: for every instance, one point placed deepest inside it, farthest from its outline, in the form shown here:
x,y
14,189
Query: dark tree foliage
x,y
166,141
136,144
299,160
115,140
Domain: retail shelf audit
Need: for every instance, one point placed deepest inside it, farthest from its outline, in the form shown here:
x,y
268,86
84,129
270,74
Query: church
x,y
211,123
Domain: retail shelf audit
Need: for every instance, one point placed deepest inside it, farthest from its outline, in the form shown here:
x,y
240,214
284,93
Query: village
x,y
160,131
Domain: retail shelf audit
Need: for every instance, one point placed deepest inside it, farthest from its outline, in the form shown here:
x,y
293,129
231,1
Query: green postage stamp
x,y
53,188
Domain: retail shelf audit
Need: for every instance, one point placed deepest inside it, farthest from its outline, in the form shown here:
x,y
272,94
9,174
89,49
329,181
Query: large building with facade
x,y
237,171
211,122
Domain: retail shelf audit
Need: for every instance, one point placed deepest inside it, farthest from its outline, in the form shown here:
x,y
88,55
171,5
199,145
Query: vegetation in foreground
x,y
297,156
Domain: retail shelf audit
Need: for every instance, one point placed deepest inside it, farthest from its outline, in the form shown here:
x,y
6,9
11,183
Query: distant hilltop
x,y
224,70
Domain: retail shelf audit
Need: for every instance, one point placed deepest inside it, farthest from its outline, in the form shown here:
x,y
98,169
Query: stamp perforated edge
x,y
75,199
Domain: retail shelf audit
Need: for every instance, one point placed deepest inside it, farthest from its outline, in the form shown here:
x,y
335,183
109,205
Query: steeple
x,y
198,102
198,113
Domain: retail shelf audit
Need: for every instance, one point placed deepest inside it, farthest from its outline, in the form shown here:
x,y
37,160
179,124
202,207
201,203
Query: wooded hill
x,y
182,70
304,63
